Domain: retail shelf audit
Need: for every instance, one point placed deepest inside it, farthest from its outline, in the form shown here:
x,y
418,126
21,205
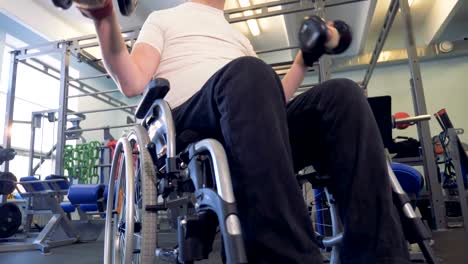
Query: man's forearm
x,y
293,78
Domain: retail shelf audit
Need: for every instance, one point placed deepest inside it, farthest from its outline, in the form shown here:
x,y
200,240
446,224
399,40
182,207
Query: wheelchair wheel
x,y
131,231
327,225
145,194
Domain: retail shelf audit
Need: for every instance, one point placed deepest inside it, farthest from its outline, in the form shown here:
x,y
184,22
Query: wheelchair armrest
x,y
156,89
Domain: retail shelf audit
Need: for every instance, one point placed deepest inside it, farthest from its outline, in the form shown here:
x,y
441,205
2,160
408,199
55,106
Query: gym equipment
x,y
126,7
195,186
6,154
10,214
402,120
81,162
7,183
313,35
10,219
46,197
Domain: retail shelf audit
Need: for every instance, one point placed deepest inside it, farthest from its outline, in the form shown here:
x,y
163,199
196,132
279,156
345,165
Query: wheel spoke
x,y
315,223
320,210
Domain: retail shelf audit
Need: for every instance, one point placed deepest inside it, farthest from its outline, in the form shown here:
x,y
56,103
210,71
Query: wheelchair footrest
x,y
196,235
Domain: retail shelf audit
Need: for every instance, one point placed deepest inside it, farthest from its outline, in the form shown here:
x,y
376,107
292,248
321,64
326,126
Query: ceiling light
x,y
410,2
251,23
253,26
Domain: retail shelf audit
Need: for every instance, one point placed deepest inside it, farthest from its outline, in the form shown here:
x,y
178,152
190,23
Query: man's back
x,y
194,41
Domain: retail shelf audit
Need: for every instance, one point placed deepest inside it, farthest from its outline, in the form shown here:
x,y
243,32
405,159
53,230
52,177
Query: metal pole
x,y
97,128
455,155
95,93
265,10
275,50
62,110
31,144
104,109
430,169
92,77
388,22
413,119
10,106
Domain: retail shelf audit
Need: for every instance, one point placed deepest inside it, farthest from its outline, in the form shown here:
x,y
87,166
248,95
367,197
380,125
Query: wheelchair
x,y
149,178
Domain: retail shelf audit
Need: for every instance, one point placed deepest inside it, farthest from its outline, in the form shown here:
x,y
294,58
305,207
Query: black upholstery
x,y
156,89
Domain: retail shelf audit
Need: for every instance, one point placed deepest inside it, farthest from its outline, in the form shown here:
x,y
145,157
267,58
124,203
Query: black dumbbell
x,y
126,7
64,4
313,36
6,154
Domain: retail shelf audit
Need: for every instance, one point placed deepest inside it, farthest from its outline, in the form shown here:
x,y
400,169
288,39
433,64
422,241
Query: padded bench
x,y
55,183
88,197
410,179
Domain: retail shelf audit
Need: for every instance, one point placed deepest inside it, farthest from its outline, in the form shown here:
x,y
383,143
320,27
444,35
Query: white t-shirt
x,y
194,41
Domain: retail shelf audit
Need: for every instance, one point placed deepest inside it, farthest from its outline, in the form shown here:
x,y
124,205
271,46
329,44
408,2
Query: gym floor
x,y
88,253
450,248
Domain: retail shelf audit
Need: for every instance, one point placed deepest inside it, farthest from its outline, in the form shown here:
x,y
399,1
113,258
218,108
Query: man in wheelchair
x,y
221,90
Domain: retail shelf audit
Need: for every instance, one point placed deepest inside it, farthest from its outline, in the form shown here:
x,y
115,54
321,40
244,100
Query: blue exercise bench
x,y
46,197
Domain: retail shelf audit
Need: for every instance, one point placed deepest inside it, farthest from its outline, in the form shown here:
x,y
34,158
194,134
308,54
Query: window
x,y
35,91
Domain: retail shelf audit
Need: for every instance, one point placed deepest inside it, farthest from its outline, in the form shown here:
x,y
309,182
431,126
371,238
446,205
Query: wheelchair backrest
x,y
156,89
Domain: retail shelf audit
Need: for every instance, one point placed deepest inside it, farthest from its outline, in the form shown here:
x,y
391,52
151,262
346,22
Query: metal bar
x,y
48,155
82,86
76,45
21,122
62,110
54,44
413,119
266,13
95,93
430,170
97,128
133,30
92,77
39,50
275,50
269,14
260,6
388,22
10,106
31,145
25,56
104,109
455,155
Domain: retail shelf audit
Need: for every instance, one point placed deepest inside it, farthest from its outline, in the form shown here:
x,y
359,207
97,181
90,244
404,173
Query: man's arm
x,y
295,76
131,72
